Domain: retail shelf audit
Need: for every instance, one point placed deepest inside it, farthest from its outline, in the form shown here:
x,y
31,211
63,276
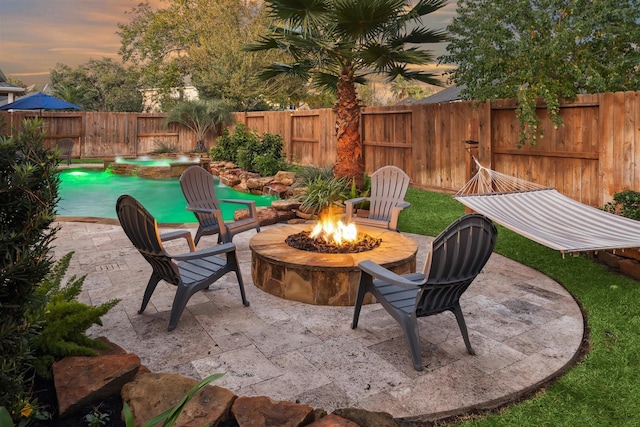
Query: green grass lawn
x,y
604,388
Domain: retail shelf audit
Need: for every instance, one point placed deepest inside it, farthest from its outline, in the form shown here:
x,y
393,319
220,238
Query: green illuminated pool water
x,y
94,194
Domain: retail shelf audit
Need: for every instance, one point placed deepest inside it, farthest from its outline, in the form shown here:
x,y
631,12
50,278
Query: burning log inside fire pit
x,y
331,236
305,242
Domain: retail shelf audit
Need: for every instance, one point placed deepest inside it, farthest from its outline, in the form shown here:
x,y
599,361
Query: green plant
x,y
227,146
169,417
164,148
63,320
262,155
29,192
96,418
322,193
201,116
308,173
625,203
25,412
255,153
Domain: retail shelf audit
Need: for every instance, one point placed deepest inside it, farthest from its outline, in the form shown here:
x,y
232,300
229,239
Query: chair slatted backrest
x,y
457,256
199,190
141,228
389,185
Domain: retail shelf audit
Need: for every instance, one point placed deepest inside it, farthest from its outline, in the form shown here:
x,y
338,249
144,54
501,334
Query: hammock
x,y
545,216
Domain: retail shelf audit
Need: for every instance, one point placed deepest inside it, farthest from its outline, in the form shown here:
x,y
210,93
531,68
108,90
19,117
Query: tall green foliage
x,y
201,116
98,85
201,40
545,50
62,321
29,193
255,153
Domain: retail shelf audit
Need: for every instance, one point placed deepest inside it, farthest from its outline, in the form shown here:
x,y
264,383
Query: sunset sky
x,y
35,35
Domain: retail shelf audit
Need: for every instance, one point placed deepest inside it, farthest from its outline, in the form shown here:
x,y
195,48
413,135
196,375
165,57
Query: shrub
x,y
164,148
254,153
227,146
63,320
625,203
29,188
322,193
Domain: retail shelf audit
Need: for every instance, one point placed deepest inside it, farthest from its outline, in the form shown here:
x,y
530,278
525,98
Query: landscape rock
x,y
365,418
333,420
151,394
262,411
266,215
258,183
285,178
82,380
285,204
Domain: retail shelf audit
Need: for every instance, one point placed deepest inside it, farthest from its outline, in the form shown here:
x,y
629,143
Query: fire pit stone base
x,y
322,278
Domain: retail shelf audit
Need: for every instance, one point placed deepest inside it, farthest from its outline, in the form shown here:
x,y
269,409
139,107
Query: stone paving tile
x,y
523,326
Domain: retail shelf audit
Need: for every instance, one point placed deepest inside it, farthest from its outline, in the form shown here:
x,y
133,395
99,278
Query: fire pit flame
x,y
334,231
331,235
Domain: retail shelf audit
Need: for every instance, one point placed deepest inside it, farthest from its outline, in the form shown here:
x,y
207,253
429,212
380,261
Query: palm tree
x,y
200,116
335,44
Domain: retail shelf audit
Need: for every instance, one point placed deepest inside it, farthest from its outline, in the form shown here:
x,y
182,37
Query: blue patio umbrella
x,y
40,101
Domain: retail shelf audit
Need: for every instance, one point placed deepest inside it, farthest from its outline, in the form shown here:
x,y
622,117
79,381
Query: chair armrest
x,y
202,209
350,205
379,272
356,200
215,250
172,235
250,204
238,201
395,214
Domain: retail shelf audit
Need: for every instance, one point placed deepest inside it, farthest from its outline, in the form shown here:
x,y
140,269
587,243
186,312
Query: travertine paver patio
x,y
525,329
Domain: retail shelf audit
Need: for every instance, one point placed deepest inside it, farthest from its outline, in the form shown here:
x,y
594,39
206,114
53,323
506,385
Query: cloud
x,y
35,35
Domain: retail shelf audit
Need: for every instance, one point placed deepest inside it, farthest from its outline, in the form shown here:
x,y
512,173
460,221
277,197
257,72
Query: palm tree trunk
x,y
349,159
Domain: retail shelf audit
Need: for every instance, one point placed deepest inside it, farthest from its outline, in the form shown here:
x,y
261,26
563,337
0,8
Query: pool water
x,y
94,194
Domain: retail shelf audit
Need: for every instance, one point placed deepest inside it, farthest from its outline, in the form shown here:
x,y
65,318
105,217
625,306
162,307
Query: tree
x,y
200,41
338,43
98,85
200,116
543,49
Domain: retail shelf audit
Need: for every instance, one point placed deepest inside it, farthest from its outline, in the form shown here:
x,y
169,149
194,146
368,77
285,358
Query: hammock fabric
x,y
545,216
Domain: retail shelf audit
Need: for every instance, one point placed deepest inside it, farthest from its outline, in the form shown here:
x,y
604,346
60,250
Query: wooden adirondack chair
x,y
389,185
190,272
199,190
457,256
65,148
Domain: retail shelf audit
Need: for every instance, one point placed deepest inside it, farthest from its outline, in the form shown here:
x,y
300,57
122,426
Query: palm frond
x,y
421,76
298,70
425,7
364,20
420,36
263,43
304,15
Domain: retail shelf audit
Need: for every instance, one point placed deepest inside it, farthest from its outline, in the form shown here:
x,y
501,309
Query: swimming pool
x,y
92,193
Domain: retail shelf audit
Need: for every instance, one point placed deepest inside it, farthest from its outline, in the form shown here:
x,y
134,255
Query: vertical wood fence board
x,y
628,140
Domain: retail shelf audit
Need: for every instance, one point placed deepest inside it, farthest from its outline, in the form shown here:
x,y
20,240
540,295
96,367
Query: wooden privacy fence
x,y
594,155
107,135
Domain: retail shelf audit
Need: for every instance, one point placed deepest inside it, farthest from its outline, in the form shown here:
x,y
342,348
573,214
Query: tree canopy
x,y
200,41
544,49
98,85
336,44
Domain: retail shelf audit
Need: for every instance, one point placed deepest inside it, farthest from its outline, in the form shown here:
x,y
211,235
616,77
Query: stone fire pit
x,y
321,278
